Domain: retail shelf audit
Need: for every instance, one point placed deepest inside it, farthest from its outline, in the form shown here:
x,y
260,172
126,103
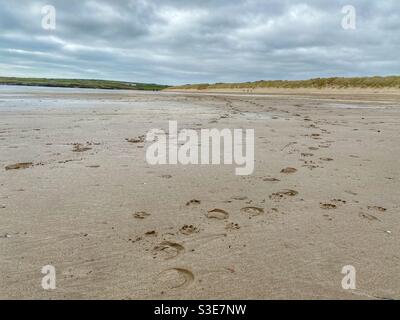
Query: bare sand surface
x,y
75,194
315,92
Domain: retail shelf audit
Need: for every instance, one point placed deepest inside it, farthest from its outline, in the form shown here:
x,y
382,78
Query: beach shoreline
x,y
77,193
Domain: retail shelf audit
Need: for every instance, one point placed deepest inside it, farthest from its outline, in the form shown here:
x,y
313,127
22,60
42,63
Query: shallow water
x,y
27,90
29,98
37,99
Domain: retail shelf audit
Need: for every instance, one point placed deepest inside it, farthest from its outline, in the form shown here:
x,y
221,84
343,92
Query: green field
x,y
318,83
80,83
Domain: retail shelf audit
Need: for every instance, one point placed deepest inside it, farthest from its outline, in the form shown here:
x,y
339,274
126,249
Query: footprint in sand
x,y
139,139
328,206
141,215
315,136
239,198
339,201
271,179
282,194
17,166
193,202
380,209
188,230
135,239
367,216
175,278
79,147
310,166
252,211
168,249
166,176
151,233
306,154
289,170
328,217
232,226
218,214
326,159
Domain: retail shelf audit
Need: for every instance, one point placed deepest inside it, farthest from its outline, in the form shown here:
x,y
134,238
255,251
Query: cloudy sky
x,y
197,41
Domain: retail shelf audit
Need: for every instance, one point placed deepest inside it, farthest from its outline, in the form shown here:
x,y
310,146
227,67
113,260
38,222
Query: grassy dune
x,y
392,82
78,83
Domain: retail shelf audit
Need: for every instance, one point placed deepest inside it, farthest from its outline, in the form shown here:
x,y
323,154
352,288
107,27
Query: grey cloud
x,y
176,41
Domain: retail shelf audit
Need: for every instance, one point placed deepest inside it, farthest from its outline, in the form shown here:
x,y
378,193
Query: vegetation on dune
x,y
318,83
80,83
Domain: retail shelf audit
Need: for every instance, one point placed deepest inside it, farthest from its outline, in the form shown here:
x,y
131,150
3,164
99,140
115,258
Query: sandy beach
x,y
77,193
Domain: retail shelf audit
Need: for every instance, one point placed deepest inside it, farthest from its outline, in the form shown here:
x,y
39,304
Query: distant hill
x,y
80,83
318,83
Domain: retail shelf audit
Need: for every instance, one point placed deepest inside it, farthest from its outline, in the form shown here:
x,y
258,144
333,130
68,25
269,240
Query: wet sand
x,y
76,194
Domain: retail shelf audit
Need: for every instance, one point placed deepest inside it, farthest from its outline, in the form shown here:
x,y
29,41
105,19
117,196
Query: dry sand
x,y
343,92
84,199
